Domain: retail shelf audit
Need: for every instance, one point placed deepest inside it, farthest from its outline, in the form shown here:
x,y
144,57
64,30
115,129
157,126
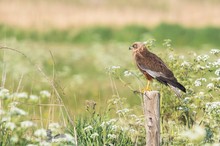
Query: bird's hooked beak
x,y
130,48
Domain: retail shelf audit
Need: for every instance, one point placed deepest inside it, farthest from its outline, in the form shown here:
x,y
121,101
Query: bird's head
x,y
137,45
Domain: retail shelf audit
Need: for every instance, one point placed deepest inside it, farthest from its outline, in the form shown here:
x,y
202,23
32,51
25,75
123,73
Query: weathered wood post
x,y
152,117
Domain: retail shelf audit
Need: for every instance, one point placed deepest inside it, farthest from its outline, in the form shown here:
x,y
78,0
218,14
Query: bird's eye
x,y
135,46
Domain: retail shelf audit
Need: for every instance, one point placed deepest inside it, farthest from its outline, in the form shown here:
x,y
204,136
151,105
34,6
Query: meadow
x,y
76,86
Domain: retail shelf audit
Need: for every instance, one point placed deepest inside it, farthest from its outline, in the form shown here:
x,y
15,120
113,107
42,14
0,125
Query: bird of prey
x,y
154,68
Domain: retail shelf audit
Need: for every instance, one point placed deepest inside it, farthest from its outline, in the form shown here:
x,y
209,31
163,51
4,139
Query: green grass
x,y
87,82
181,36
190,120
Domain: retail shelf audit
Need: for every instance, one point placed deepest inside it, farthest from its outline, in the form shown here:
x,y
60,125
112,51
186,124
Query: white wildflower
x,y
114,127
2,112
200,67
14,139
12,104
205,57
185,63
171,57
207,66
201,93
5,119
215,51
88,128
10,125
94,135
29,138
40,133
180,108
111,136
171,122
22,95
44,143
64,138
54,126
33,97
197,83
131,130
195,134
115,67
4,93
133,116
216,63
198,58
216,79
70,138
139,121
193,106
32,145
27,124
124,128
17,111
212,105
127,73
202,58
194,112
45,94
111,121
217,72
181,56
194,54
187,99
123,111
210,86
103,124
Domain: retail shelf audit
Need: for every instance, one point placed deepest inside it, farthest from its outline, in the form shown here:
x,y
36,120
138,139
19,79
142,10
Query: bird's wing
x,y
153,65
152,73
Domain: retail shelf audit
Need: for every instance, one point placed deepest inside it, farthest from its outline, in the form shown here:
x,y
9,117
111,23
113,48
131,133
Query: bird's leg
x,y
147,88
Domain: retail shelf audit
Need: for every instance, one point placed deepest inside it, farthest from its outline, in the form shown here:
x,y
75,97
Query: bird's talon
x,y
145,89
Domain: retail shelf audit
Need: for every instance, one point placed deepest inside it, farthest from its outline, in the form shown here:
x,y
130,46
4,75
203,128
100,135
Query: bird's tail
x,y
176,87
176,90
173,84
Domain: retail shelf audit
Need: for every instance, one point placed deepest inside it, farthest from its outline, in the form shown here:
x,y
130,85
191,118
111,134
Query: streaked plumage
x,y
154,68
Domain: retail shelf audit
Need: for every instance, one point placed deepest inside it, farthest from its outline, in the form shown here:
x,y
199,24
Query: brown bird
x,y
154,68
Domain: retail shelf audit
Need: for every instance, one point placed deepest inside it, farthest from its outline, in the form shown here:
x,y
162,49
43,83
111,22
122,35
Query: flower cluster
x,y
14,123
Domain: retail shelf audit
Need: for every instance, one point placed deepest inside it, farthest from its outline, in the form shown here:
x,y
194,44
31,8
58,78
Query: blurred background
x,y
44,14
77,41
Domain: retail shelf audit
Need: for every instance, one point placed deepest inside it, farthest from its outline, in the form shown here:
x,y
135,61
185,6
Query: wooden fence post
x,y
152,117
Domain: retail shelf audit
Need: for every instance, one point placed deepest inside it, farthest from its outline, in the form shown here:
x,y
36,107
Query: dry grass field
x,y
68,13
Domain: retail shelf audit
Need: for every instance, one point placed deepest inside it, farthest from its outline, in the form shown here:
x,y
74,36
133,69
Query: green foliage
x,y
130,33
187,36
95,34
95,130
194,118
181,36
79,72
